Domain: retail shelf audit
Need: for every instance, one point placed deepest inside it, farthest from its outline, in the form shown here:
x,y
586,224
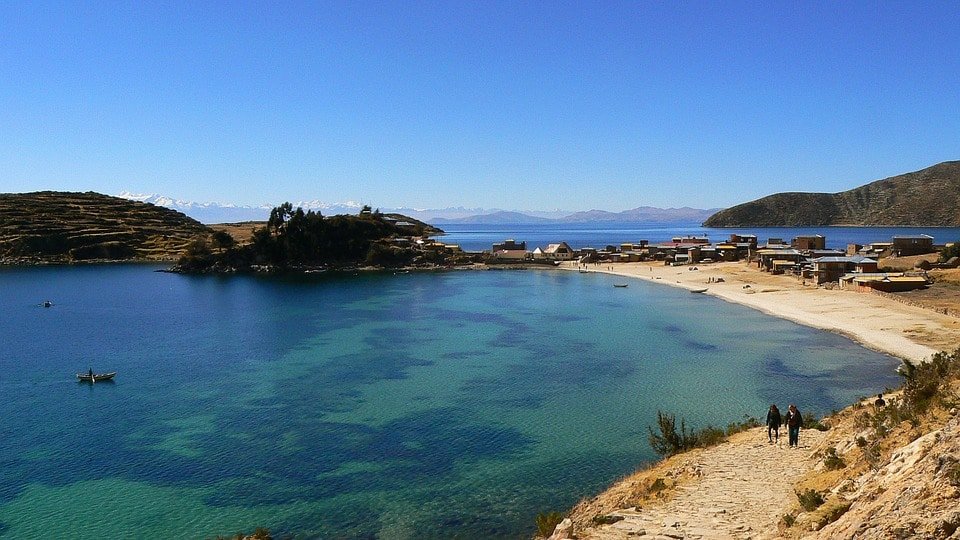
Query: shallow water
x,y
393,406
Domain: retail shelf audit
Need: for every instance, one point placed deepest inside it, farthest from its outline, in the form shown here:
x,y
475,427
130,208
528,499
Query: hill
x,y
49,226
642,214
929,197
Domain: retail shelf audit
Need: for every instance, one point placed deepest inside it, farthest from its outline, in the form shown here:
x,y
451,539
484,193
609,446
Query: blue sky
x,y
516,105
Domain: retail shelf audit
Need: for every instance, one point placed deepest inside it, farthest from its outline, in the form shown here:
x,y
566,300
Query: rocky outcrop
x,y
916,494
53,226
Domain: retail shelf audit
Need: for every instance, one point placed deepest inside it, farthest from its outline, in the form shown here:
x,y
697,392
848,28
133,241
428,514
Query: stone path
x,y
742,489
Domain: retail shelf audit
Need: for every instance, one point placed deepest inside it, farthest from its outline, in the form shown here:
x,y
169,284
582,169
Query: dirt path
x,y
742,489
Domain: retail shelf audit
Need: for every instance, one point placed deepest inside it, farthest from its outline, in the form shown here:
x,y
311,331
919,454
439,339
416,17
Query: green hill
x,y
49,226
929,197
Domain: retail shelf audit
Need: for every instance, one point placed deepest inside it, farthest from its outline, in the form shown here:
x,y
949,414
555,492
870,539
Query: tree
x,y
222,240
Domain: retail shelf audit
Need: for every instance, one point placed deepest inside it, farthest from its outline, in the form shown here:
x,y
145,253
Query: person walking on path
x,y
794,421
879,403
773,424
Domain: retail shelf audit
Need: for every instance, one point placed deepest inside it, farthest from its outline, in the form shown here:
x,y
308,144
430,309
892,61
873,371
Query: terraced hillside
x,y
49,226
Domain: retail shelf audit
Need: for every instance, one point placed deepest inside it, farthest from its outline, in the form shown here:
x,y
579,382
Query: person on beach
x,y
773,424
879,403
794,421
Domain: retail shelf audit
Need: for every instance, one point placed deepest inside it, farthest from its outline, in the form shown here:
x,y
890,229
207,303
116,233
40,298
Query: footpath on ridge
x,y
735,490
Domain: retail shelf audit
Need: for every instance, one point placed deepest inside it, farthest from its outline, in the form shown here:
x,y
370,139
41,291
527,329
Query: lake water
x,y
374,406
474,237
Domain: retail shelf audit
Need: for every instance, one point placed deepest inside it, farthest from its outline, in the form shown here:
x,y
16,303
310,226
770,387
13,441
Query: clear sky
x,y
516,105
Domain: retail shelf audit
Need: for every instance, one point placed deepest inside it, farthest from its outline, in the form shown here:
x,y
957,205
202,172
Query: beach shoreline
x,y
907,332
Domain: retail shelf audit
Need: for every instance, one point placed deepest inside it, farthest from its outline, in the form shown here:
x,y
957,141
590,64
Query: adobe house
x,y
884,282
833,268
510,249
554,252
803,243
920,244
765,257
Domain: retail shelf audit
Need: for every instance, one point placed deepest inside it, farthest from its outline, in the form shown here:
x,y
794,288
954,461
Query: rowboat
x,y
621,285
87,377
698,290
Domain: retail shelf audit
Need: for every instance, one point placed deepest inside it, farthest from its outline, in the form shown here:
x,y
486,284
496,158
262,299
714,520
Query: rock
x,y
563,531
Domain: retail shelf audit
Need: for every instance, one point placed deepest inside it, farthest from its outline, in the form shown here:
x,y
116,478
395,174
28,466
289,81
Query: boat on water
x,y
94,377
621,285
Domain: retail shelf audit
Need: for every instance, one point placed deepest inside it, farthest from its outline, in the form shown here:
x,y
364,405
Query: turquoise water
x,y
381,406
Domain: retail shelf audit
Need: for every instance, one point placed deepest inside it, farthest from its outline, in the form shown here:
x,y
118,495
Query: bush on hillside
x,y
948,252
810,499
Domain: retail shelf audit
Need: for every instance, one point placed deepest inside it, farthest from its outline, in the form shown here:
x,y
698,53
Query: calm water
x,y
392,406
598,235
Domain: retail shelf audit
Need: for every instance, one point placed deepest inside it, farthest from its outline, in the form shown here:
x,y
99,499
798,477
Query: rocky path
x,y
741,490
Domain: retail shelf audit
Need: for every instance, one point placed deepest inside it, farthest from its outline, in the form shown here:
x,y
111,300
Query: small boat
x,y
87,377
621,285
698,290
47,303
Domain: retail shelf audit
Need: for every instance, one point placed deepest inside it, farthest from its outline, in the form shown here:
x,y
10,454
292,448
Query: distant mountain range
x,y
928,197
642,214
230,213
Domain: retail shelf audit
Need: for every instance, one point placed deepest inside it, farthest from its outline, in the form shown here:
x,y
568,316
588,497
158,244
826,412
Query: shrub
x,y
789,520
861,442
834,514
810,499
871,454
670,441
709,436
832,461
948,252
547,522
657,486
812,422
748,422
928,380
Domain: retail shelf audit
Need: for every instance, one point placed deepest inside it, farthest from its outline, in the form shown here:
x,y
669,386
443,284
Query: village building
x,y
809,242
904,245
885,282
776,243
554,252
743,239
827,269
766,257
510,250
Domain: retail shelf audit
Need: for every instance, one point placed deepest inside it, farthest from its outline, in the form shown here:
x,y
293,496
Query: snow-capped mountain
x,y
214,212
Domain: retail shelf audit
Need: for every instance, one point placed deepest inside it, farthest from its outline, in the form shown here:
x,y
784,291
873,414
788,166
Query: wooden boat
x,y
621,285
87,377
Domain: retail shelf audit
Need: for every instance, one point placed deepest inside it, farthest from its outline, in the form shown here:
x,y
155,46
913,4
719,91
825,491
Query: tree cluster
x,y
294,238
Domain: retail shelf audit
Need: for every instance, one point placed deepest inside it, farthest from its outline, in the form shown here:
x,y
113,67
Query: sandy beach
x,y
877,322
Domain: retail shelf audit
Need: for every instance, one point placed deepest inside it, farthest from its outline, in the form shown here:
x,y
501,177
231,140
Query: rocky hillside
x,y
50,226
930,197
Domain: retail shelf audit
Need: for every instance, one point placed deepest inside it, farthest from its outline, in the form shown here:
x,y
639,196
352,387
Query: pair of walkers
x,y
792,420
